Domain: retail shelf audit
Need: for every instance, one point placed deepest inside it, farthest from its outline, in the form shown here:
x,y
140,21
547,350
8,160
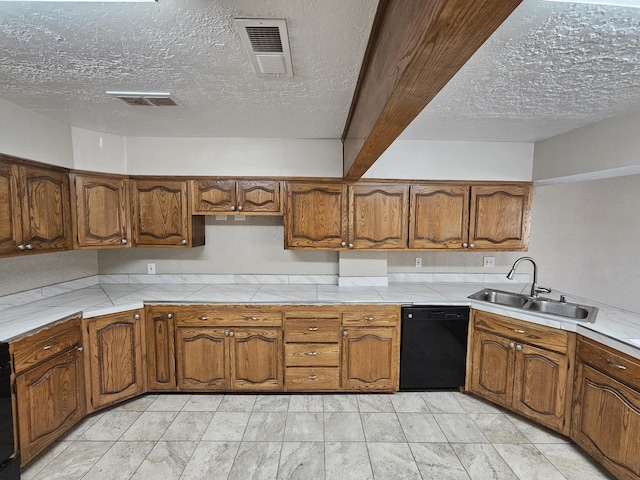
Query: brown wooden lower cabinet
x,y
606,410
523,367
50,391
229,358
115,362
370,358
160,334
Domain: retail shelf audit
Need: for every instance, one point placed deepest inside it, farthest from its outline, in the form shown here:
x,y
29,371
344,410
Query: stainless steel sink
x,y
572,311
501,298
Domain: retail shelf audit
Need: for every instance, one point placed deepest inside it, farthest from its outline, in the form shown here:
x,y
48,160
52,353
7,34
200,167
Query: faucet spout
x,y
536,290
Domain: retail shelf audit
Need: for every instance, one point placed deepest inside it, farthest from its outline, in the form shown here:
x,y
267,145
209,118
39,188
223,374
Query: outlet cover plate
x,y
489,262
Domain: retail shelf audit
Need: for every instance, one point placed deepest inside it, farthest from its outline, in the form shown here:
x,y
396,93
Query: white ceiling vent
x,y
267,44
146,99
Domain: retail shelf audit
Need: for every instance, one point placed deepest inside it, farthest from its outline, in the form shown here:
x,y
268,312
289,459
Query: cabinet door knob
x,y
231,333
124,241
343,244
233,208
312,329
136,317
511,344
465,245
29,246
226,334
471,245
518,347
184,242
345,333
239,208
169,315
21,247
351,245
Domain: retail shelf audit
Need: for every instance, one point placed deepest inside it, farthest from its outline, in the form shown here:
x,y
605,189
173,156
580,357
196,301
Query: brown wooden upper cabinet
x,y
248,197
35,213
483,217
101,216
319,216
161,216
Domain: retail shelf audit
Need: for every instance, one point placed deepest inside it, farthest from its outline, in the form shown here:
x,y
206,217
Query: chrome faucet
x,y
535,289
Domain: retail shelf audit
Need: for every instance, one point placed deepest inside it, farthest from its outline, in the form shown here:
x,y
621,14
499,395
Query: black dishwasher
x,y
9,464
433,347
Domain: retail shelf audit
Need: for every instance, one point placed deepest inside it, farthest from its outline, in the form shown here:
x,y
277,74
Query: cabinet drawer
x,y
34,349
312,330
228,316
538,335
615,364
312,354
373,319
312,378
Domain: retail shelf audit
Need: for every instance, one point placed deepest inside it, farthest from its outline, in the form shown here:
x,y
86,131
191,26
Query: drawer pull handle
x,y
203,318
518,330
616,365
48,347
312,377
369,319
311,353
80,349
255,319
313,329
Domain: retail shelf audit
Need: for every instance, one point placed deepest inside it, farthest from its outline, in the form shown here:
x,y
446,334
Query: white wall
x,y
584,237
234,156
603,149
99,152
585,219
29,135
35,137
431,160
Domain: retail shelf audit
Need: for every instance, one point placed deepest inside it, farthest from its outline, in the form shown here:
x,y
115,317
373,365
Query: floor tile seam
x,y
537,449
415,461
113,442
68,442
479,444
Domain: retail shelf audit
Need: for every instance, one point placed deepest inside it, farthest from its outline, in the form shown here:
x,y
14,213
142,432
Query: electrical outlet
x,y
151,268
418,262
489,262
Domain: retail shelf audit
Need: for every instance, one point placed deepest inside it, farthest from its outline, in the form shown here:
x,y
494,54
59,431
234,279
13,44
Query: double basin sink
x,y
572,311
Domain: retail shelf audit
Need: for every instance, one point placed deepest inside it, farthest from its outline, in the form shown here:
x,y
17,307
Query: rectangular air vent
x,y
266,41
146,99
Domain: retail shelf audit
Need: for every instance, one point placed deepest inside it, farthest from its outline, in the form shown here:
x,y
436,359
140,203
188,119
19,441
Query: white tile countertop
x,y
20,315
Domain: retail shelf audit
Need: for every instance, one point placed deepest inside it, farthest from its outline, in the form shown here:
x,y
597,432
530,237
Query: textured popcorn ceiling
x,y
550,68
58,59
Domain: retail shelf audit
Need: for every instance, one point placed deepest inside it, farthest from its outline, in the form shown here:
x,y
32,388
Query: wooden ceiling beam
x,y
415,48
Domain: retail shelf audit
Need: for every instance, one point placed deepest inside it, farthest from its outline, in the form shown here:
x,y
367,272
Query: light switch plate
x,y
151,268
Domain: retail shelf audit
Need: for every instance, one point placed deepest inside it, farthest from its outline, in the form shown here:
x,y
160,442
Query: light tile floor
x,y
407,435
